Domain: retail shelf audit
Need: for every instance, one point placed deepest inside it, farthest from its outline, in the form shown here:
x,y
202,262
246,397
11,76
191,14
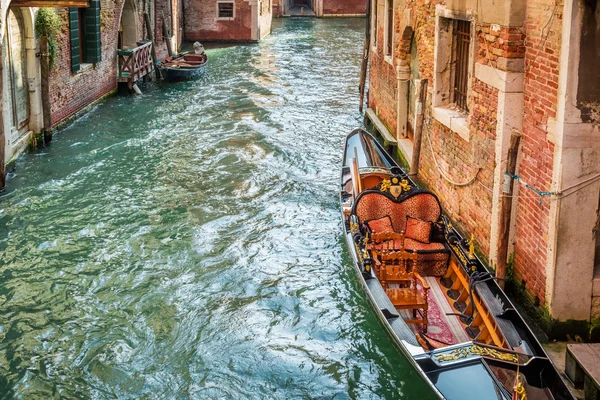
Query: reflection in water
x,y
187,243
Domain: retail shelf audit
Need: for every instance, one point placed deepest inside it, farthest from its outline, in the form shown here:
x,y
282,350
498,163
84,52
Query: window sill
x,y
225,18
83,68
453,119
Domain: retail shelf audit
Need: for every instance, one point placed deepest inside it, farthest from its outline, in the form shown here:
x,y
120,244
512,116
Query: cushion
x,y
380,225
418,230
370,206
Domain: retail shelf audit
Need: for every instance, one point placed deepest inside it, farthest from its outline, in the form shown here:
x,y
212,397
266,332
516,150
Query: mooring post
x,y
418,138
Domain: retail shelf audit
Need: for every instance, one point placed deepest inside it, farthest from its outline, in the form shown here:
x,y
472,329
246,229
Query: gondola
x,y
444,310
184,66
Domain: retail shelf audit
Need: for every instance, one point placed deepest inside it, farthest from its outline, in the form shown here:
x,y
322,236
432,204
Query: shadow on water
x,y
186,243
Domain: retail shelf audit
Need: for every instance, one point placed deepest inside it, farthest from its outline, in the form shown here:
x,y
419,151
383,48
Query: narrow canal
x,y
187,243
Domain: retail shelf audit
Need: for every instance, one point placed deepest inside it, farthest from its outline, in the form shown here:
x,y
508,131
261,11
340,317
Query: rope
x,y
444,175
528,186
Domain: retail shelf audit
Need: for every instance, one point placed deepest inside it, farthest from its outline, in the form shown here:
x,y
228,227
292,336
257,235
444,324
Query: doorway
x,y
128,27
16,91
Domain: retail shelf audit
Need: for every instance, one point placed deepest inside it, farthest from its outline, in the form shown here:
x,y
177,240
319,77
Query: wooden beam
x,y
45,72
506,211
51,3
414,166
365,59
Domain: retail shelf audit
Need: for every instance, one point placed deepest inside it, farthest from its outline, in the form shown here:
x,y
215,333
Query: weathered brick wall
x,y
344,7
71,92
543,29
469,206
277,8
172,11
201,21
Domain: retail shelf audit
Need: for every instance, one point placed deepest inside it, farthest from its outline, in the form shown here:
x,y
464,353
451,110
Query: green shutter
x,y
74,37
93,46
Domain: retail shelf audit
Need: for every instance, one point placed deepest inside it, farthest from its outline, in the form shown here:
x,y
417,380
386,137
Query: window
x,y
460,59
453,68
84,28
226,10
389,27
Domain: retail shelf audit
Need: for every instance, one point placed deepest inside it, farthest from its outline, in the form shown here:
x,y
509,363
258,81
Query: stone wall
x,y
201,22
344,7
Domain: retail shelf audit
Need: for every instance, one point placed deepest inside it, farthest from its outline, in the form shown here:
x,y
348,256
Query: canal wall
x,y
513,72
343,7
241,20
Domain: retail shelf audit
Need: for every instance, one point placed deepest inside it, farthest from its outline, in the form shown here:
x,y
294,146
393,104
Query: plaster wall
x,y
202,22
577,168
501,12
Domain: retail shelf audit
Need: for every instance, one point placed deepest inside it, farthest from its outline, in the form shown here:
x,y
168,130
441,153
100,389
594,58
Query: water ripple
x,y
187,243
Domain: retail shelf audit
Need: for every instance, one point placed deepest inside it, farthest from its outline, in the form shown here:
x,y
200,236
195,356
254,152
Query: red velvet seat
x,y
433,257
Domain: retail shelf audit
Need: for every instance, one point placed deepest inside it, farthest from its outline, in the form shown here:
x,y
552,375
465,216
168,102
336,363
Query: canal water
x,y
187,243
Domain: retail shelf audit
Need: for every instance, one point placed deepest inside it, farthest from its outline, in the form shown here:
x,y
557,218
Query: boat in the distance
x,y
184,66
442,307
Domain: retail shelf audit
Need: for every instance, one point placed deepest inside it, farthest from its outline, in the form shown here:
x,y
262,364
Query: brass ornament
x,y
385,185
472,247
475,350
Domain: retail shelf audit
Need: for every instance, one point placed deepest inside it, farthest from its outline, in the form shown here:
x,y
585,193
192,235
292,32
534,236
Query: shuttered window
x,y
74,38
93,44
84,26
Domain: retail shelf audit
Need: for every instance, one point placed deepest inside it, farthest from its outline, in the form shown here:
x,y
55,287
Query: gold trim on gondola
x,y
475,350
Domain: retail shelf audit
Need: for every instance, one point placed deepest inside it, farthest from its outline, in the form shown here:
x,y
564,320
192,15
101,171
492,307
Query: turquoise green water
x,y
187,243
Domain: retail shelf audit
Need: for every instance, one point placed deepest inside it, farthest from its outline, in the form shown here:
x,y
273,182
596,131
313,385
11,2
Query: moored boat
x,y
443,308
182,67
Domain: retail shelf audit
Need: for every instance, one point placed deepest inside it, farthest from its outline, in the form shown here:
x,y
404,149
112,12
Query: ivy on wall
x,y
47,23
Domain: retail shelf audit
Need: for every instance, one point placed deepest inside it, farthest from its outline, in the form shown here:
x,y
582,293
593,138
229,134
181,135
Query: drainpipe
x,y
403,77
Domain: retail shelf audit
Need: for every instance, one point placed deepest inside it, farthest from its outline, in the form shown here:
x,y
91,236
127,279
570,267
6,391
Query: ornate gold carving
x,y
472,247
353,227
475,350
405,186
385,185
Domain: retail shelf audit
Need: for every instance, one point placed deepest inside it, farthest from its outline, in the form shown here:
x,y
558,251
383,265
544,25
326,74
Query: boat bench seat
x,y
506,326
433,257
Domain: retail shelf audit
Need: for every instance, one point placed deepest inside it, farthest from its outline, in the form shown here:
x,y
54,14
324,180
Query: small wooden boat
x,y
443,308
182,67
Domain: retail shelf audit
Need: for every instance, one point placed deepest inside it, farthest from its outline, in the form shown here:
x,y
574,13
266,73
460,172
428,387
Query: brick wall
x,y
341,7
172,10
71,92
201,21
542,52
469,206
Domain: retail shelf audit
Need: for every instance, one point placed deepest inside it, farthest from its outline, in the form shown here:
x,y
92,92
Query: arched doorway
x,y
16,91
128,26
